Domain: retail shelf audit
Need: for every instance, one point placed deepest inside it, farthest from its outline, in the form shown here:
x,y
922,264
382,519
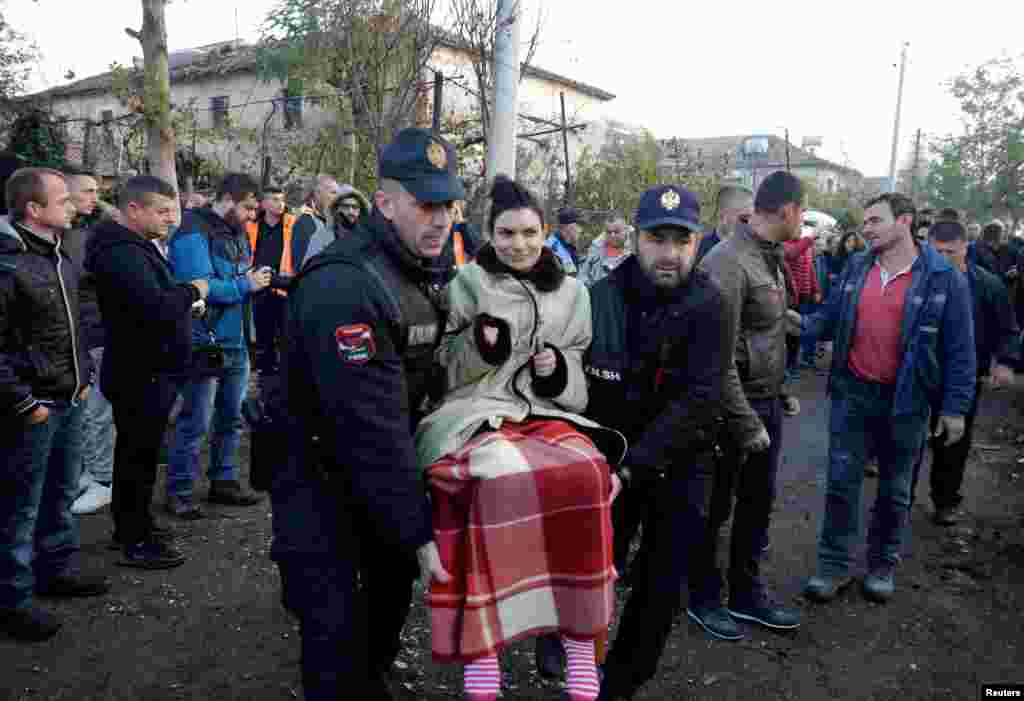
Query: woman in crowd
x,y
521,490
850,243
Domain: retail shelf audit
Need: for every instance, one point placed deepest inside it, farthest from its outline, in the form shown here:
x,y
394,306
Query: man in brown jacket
x,y
748,268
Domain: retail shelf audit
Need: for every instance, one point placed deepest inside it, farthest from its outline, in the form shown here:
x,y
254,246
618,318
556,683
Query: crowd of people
x,y
518,424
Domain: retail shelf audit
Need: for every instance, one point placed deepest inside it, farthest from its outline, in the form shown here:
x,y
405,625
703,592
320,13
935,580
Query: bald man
x,y
735,206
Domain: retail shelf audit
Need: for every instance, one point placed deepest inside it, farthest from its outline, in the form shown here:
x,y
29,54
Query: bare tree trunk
x,y
160,141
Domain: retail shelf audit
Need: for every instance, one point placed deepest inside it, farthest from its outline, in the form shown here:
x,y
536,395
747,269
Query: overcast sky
x,y
684,69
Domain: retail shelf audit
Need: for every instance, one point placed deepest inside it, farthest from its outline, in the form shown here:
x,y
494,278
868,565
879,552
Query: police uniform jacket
x,y
362,332
657,363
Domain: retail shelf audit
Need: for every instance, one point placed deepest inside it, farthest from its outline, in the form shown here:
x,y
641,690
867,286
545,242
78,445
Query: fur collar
x,y
547,275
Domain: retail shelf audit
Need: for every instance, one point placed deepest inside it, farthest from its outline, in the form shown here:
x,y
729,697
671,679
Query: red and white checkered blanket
x,y
522,520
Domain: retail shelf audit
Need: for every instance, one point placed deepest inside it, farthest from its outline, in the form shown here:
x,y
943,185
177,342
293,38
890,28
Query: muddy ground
x,y
214,628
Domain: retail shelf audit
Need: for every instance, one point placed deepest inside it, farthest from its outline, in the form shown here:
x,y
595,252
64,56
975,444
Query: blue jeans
x,y
808,341
38,534
97,433
216,403
861,425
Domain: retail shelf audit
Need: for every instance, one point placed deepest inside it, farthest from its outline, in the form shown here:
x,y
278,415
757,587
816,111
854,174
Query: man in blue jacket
x,y
904,340
997,346
562,241
211,244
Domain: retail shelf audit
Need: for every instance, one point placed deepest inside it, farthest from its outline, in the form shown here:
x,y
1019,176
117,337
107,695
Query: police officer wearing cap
x,y
351,517
657,367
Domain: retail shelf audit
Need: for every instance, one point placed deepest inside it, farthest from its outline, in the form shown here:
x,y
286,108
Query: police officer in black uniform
x,y
351,517
657,364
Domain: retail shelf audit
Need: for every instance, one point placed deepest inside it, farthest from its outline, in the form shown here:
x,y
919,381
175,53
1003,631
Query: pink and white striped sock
x,y
581,670
481,679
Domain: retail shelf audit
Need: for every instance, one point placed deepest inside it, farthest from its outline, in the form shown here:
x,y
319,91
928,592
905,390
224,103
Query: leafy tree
x,y
982,170
369,56
16,57
36,139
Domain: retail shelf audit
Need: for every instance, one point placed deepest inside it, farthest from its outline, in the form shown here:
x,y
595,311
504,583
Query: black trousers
x,y
269,312
750,481
141,411
351,612
673,519
949,462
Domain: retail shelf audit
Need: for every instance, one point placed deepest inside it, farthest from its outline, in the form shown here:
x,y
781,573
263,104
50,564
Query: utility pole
x,y
787,149
896,124
565,146
438,104
917,161
501,144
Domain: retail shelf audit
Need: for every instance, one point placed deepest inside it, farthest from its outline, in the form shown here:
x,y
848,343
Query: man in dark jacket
x,y
748,268
44,376
147,315
350,508
904,342
997,348
657,364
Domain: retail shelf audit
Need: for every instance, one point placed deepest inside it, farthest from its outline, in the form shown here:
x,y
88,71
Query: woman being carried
x,y
521,491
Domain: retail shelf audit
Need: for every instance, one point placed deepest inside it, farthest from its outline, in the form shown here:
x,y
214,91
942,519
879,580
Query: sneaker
x,y
151,555
96,497
550,656
824,589
790,406
947,516
880,584
30,623
183,508
66,586
715,621
766,612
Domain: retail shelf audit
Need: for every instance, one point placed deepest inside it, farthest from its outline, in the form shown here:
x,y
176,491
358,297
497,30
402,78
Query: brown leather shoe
x,y
231,493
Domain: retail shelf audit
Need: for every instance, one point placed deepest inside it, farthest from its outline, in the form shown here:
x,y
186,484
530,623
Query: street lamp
x,y
896,124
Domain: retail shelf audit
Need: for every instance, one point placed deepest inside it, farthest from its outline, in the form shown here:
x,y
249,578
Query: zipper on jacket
x,y
533,338
71,328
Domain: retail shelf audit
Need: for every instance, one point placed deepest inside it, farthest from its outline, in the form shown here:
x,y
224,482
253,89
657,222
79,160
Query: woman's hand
x,y
545,362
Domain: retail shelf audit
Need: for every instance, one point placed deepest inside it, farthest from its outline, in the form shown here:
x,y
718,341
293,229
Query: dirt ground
x,y
214,629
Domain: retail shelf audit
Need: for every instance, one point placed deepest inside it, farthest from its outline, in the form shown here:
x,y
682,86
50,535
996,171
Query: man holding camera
x,y
147,317
211,245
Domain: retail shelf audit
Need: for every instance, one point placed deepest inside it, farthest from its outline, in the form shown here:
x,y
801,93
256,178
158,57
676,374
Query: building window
x,y
292,111
219,111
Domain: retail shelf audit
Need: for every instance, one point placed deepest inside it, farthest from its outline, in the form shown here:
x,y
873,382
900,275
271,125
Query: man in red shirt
x,y
901,315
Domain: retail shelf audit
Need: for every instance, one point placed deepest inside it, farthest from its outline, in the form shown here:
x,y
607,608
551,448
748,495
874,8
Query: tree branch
x,y
137,35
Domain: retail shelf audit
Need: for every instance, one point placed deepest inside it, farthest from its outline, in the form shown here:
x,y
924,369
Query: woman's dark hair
x,y
507,194
841,251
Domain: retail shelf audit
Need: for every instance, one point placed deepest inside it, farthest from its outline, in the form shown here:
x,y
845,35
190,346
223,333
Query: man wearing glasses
x,y
211,244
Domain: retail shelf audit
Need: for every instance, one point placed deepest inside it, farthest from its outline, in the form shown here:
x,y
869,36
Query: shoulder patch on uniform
x,y
356,344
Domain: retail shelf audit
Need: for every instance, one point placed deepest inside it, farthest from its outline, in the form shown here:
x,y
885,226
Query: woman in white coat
x,y
520,481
